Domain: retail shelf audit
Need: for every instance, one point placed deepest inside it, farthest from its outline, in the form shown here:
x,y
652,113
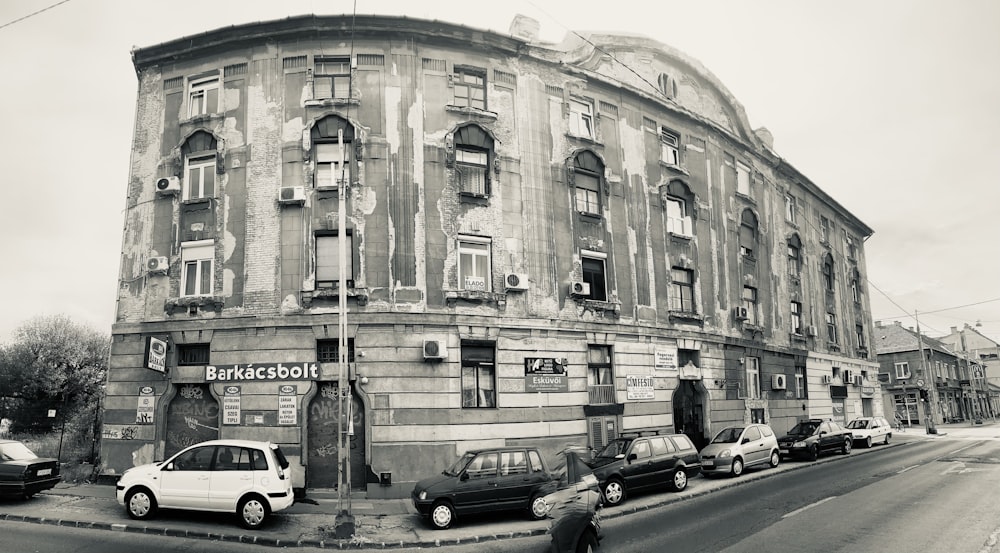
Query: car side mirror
x,y
745,441
170,466
823,433
632,457
464,477
620,456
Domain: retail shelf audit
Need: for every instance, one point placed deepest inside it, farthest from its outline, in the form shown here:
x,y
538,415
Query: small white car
x,y
737,447
870,430
251,479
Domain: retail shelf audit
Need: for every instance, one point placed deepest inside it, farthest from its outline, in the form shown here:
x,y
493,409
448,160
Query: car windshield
x,y
616,447
858,423
16,451
728,435
803,429
459,465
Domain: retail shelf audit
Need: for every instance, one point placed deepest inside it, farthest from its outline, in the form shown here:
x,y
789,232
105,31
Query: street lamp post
x,y
929,404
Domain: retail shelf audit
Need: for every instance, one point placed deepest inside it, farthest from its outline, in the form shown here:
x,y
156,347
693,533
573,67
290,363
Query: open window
x,y
200,165
469,84
679,202
748,234
473,159
794,256
588,175
203,95
197,262
333,151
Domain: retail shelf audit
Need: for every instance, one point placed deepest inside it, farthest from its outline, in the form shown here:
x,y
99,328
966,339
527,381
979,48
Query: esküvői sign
x,y
262,371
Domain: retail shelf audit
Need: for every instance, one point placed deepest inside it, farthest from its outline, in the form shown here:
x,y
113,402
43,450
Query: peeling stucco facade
x,y
262,297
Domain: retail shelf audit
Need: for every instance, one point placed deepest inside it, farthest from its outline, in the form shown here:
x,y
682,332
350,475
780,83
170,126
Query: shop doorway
x,y
321,471
192,417
689,411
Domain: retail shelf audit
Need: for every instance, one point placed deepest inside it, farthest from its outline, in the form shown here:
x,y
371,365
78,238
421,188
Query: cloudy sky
x,y
892,107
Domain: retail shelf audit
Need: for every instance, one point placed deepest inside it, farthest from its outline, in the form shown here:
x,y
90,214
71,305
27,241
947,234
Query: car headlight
x,y
799,444
422,495
725,453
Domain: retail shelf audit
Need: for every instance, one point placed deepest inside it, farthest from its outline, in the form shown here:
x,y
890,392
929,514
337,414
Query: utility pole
x,y
344,521
929,405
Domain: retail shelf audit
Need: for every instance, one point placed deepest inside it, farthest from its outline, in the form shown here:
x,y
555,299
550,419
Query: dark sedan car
x,y
22,473
811,437
628,464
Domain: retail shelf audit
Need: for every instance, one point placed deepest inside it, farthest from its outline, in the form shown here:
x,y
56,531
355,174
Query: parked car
x,y
576,526
251,479
497,479
737,447
629,464
812,437
22,473
870,430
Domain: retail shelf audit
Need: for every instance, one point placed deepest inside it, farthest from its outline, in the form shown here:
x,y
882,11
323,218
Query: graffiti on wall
x,y
324,415
192,417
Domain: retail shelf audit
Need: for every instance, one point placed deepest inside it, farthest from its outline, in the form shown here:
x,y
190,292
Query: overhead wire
x,y
9,23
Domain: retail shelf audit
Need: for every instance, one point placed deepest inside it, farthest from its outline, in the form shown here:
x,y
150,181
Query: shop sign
x,y
231,405
155,357
147,402
868,391
639,387
665,358
287,413
545,374
261,371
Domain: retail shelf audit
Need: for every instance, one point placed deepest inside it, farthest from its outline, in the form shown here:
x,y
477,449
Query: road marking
x,y
797,511
907,468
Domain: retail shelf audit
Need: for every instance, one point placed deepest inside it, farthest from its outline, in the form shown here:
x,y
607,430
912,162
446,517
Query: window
x,y
203,96
478,376
856,286
743,179
790,208
328,351
197,459
752,367
667,85
192,354
750,304
824,229
197,259
473,153
796,311
594,274
859,333
332,77
828,276
513,462
581,119
850,246
831,328
679,216
800,382
200,165
587,173
902,370
474,271
682,290
332,165
669,147
748,233
600,375
483,465
470,87
794,256
328,260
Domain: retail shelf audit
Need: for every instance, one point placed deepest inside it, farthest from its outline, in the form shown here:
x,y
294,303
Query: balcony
x,y
601,394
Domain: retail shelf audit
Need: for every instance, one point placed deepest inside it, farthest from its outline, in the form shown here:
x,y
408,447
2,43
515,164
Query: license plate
x,y
785,451
44,472
707,464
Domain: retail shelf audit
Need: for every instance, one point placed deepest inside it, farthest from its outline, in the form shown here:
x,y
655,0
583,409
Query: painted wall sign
x,y
144,412
231,405
665,358
261,371
155,357
545,374
287,412
639,387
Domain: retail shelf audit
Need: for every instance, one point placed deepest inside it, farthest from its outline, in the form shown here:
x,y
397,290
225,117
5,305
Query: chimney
x,y
954,329
525,28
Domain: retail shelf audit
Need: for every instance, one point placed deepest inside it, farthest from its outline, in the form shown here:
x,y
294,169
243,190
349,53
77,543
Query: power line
x,y
32,14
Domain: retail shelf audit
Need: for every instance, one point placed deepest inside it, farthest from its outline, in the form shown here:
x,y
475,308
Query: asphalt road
x,y
17,537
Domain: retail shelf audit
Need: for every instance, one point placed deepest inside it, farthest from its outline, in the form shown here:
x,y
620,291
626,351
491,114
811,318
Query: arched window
x,y
678,202
588,172
828,276
332,142
856,285
794,256
748,233
199,152
473,159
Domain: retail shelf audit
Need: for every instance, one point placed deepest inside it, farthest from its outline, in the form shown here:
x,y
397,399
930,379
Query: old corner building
x,y
548,244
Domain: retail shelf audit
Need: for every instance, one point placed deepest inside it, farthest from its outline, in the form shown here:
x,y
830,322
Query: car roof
x,y
501,449
240,443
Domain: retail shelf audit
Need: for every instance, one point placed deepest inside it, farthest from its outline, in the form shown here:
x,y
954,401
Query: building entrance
x,y
321,471
689,411
192,417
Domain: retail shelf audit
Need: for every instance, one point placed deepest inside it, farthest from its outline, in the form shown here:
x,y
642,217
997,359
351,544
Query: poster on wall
x,y
155,358
665,358
287,413
545,374
147,402
639,387
231,405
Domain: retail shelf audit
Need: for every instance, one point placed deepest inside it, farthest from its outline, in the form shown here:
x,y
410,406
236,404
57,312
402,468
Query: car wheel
x,y
868,441
813,452
587,543
737,467
846,448
680,480
252,511
775,459
140,504
887,437
442,515
614,492
538,508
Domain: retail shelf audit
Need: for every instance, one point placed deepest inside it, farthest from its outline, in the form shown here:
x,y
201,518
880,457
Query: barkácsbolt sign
x,y
261,371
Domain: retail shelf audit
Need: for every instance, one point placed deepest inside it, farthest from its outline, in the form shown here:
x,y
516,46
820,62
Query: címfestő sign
x,y
639,388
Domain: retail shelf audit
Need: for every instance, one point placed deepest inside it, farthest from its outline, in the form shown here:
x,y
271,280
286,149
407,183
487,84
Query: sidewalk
x,y
379,524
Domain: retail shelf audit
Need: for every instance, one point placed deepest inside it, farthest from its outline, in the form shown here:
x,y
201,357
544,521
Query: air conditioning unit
x,y
779,382
827,379
811,330
740,313
292,195
578,288
858,380
158,265
515,281
168,186
435,349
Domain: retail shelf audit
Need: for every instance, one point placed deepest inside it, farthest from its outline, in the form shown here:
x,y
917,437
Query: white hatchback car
x,y
870,430
251,479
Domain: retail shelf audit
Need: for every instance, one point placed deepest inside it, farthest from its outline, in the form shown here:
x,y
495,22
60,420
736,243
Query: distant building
x,y
545,243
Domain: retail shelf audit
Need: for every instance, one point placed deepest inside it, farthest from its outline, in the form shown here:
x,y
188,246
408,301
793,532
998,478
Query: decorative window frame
x,y
490,145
